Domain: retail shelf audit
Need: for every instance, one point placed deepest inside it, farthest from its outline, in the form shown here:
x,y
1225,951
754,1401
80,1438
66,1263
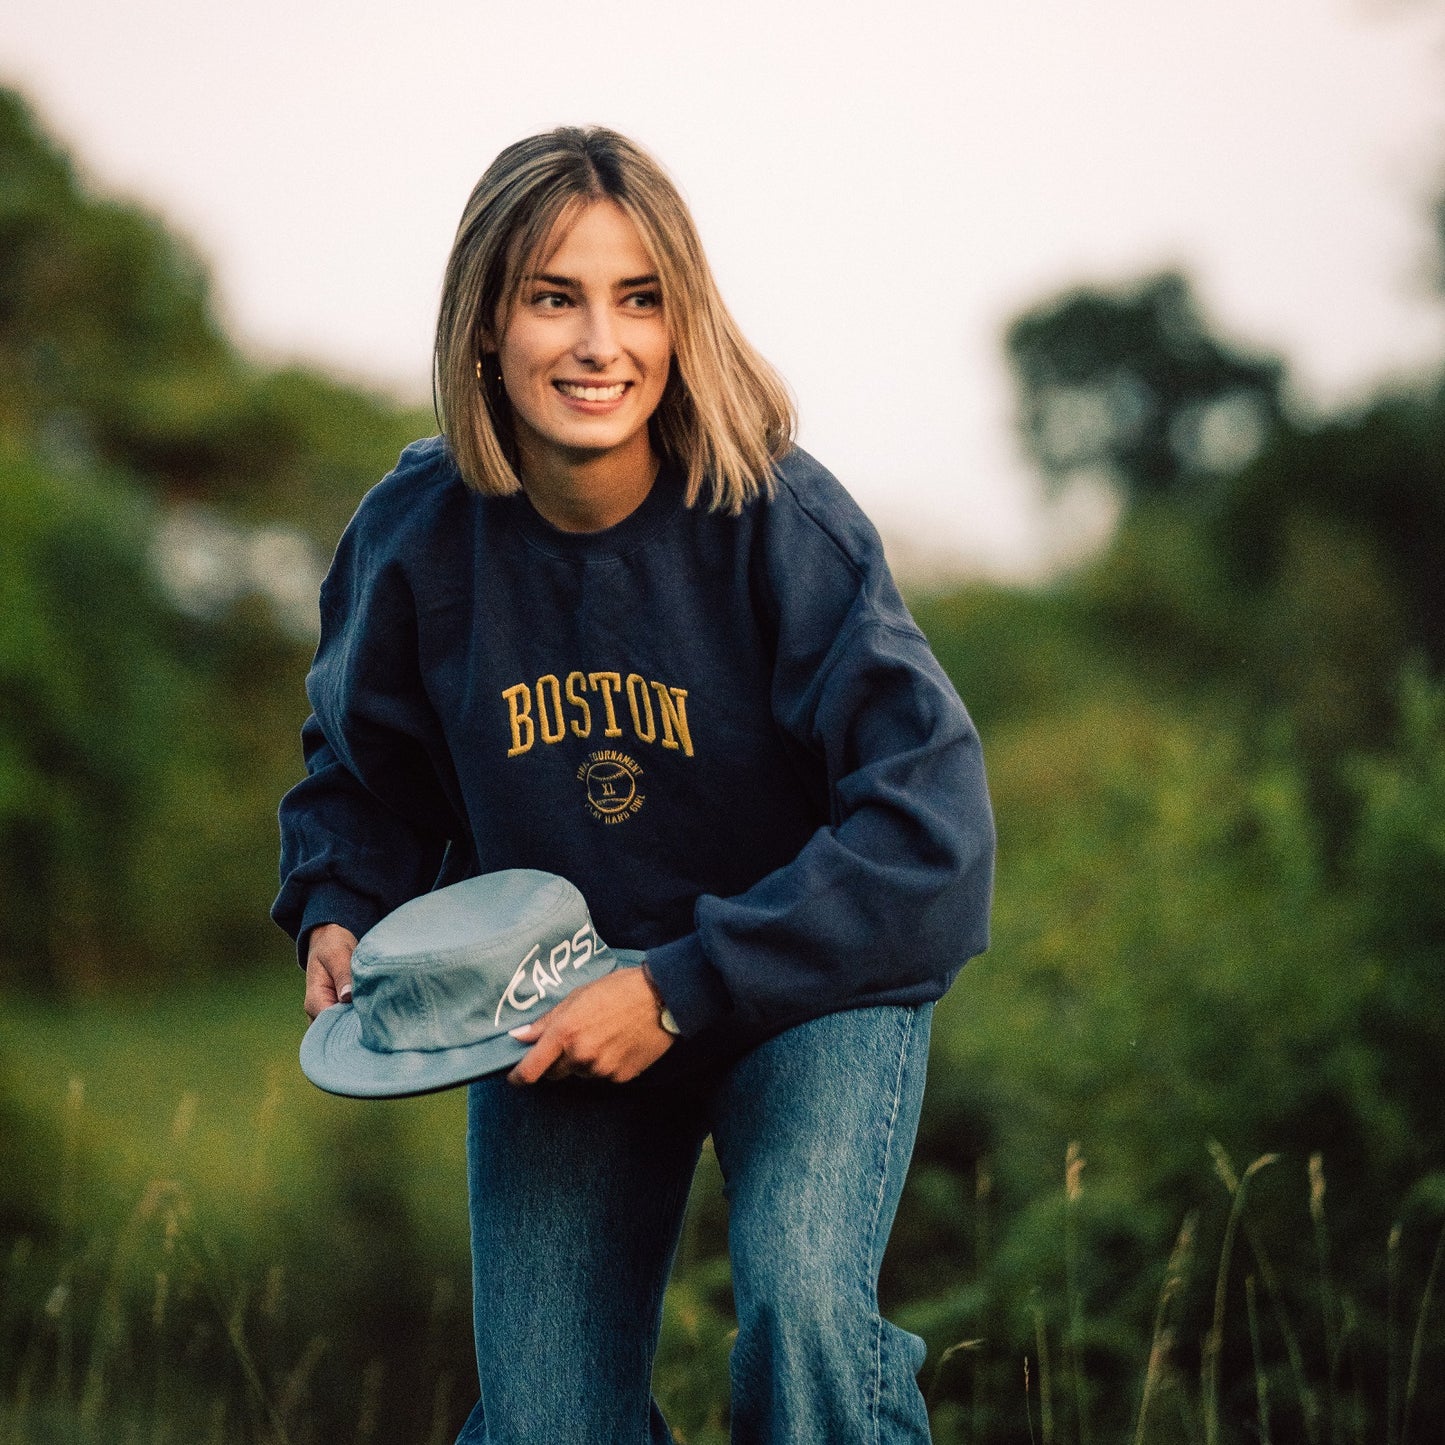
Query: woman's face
x,y
585,352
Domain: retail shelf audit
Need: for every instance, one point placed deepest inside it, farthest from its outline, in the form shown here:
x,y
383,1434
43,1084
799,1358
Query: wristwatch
x,y
664,1014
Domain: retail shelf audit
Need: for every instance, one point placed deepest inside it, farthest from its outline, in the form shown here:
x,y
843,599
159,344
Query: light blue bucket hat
x,y
437,984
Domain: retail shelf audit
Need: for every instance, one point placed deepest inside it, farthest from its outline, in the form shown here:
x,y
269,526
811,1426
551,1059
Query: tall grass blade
x,y
160,1391
440,1432
109,1331
1041,1343
233,1321
371,1378
1238,1187
218,1422
1329,1306
1162,1341
1350,1345
982,1252
56,1304
69,1217
433,1366
297,1384
1417,1344
1261,1383
1073,1190
1309,1401
943,1359
265,1129
1029,1402
1392,1336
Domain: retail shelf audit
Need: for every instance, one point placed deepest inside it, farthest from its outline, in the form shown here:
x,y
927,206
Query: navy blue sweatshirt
x,y
727,731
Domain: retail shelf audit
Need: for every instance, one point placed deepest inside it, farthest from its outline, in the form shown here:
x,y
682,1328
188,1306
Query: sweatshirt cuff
x,y
690,986
331,903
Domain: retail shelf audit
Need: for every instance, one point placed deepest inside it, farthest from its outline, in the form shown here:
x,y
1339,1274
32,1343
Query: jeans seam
x,y
876,1384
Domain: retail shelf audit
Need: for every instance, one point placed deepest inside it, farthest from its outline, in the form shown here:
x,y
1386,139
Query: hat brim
x,y
334,1058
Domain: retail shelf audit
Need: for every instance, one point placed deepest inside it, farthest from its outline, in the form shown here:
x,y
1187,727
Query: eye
x,y
550,300
643,301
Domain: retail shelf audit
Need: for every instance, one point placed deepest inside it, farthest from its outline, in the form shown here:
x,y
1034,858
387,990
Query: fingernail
x,y
346,993
517,1032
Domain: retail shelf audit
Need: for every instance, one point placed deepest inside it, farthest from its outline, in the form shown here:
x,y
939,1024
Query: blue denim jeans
x,y
577,1198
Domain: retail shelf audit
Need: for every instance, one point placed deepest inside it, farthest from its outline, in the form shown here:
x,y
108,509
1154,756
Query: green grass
x,y
216,1253
203,1082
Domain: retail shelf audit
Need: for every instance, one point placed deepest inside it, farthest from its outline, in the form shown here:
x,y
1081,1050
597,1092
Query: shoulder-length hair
x,y
725,416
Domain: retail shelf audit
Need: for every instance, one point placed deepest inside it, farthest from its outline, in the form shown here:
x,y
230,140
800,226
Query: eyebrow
x,y
571,283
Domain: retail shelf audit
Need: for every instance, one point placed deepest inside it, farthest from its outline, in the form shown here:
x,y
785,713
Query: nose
x,y
597,345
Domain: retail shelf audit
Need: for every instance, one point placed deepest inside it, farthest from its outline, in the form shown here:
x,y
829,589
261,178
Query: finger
x,y
320,993
331,947
538,1059
337,965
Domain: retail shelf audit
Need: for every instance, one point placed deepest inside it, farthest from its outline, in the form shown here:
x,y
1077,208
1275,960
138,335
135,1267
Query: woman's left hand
x,y
607,1029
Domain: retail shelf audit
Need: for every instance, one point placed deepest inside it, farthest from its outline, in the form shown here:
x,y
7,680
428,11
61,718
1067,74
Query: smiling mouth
x,y
578,392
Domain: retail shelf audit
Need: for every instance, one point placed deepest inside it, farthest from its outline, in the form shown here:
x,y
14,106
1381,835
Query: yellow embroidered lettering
x,y
576,681
640,705
672,704
519,714
554,729
608,684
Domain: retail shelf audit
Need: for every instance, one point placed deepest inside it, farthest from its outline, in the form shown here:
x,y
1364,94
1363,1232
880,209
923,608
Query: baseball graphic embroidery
x,y
610,777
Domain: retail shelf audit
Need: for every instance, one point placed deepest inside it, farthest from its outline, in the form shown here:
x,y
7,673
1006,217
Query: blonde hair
x,y
725,416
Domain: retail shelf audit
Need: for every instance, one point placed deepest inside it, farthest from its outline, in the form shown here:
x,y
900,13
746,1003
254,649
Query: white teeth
x,y
592,393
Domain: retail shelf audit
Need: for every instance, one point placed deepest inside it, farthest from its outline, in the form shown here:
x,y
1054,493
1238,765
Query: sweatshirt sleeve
x,y
369,825
346,857
888,900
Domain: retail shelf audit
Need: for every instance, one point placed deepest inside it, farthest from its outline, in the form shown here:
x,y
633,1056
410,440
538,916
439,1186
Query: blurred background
x,y
1125,322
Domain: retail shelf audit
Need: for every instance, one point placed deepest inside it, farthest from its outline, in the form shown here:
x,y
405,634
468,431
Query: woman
x,y
612,625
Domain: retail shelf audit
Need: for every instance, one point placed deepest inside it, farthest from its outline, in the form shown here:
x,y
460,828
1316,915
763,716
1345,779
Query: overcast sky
x,y
880,188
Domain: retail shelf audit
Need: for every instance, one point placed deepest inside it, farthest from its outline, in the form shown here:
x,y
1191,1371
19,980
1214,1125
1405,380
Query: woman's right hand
x,y
328,967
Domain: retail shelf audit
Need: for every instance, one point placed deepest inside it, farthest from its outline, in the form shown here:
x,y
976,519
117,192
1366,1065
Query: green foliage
x,y
1131,383
142,751
80,709
219,1237
1368,486
1217,754
1174,960
137,795
111,355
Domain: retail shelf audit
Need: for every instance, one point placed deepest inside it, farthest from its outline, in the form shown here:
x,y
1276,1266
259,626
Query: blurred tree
x,y
111,354
1132,384
108,348
141,753
1375,478
1313,571
1397,864
142,748
87,693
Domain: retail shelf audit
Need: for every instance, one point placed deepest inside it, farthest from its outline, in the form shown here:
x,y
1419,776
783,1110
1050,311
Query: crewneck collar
x,y
632,532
